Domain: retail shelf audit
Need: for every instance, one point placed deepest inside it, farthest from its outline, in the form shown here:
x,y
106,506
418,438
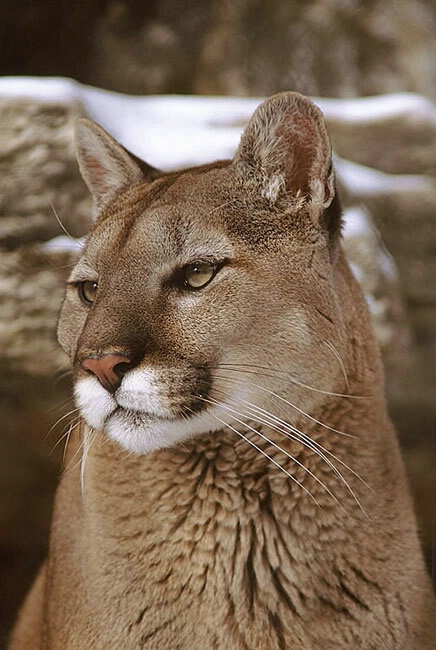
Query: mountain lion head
x,y
203,295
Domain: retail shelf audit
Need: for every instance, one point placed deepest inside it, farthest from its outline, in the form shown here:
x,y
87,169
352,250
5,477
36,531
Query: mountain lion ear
x,y
106,166
286,151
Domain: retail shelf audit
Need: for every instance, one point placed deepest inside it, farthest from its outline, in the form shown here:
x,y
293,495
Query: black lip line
x,y
119,409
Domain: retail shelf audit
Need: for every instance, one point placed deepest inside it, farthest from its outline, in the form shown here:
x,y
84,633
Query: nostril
x,y
121,368
109,369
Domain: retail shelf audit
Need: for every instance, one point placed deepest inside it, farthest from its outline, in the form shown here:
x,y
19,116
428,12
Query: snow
x,y
367,111
172,131
364,182
357,222
62,244
359,226
168,131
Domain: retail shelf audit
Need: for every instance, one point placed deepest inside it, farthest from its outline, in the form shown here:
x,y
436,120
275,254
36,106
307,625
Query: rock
x,y
377,273
38,177
40,183
393,133
31,292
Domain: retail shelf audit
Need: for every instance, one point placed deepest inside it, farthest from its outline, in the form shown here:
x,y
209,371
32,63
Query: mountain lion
x,y
241,486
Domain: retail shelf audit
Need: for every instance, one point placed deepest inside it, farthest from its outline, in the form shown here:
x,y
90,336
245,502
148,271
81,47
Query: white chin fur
x,y
142,433
94,402
138,431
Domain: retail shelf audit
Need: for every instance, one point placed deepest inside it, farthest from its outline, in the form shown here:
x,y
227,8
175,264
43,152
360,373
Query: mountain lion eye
x,y
199,274
87,291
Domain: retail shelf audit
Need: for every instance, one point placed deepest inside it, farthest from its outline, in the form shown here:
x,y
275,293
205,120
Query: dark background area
x,y
243,47
331,48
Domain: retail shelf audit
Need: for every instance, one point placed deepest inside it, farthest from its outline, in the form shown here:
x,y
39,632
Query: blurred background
x,y
325,48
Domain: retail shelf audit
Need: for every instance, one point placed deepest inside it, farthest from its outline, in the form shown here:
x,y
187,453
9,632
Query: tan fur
x,y
212,519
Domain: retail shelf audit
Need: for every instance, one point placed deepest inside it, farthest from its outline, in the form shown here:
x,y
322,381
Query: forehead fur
x,y
280,180
200,209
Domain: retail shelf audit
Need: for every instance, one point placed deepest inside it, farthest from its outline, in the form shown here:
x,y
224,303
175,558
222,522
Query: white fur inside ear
x,y
272,186
322,191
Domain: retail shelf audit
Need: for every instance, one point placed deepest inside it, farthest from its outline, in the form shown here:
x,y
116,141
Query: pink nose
x,y
109,369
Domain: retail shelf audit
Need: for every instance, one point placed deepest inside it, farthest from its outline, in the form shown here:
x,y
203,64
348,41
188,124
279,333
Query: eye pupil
x,y
87,291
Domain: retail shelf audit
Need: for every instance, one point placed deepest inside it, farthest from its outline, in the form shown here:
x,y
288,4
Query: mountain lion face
x,y
201,295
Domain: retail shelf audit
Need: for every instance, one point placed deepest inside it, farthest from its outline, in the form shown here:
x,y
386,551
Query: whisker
x,y
65,434
71,265
302,412
223,205
266,455
72,426
62,374
72,467
274,374
67,440
295,434
323,449
293,406
336,353
88,439
63,228
286,429
59,420
287,454
60,405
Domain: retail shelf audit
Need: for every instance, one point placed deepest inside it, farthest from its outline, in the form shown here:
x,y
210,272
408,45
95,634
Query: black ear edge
x,y
332,218
150,173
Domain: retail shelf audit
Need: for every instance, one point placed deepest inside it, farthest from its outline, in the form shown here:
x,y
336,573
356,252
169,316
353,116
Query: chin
x,y
141,433
137,431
